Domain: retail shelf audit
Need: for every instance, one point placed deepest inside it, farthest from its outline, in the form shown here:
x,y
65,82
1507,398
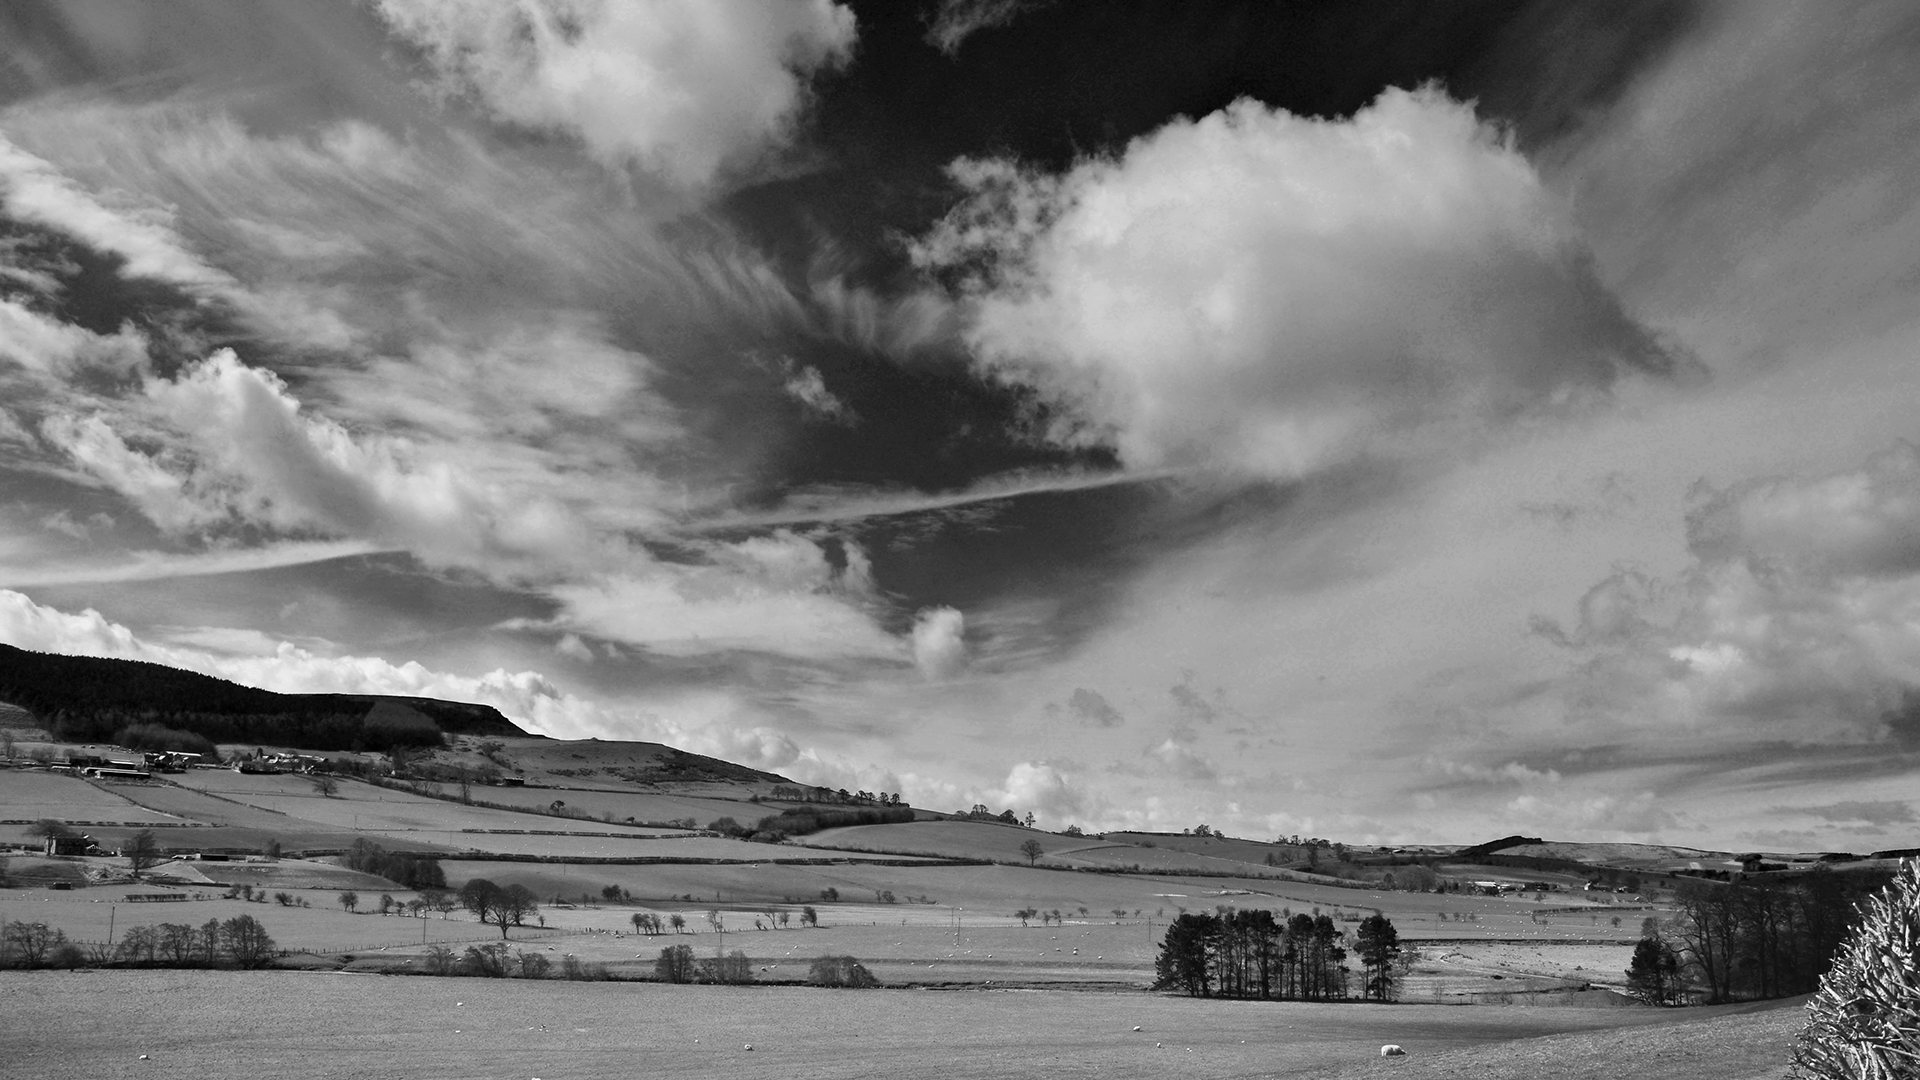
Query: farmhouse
x,y
69,845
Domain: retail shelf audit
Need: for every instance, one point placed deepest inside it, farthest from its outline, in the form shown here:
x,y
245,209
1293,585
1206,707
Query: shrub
x,y
1864,1021
486,961
440,960
534,965
675,964
840,971
733,969
571,967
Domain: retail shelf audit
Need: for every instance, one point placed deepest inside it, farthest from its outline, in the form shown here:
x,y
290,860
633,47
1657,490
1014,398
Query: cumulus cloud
x,y
685,88
238,447
810,390
939,645
1863,521
1267,294
1045,791
51,347
1798,618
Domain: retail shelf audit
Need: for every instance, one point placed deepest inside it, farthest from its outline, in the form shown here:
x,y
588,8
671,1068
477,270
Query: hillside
x,y
91,699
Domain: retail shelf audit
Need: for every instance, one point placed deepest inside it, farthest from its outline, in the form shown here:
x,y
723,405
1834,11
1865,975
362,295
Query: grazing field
x,y
619,802
237,1026
32,795
365,806
90,915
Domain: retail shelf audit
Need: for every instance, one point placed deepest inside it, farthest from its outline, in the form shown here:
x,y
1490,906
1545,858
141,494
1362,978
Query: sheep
x,y
1392,1050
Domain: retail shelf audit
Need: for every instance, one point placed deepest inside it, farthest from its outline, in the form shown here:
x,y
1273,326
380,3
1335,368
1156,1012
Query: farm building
x,y
69,845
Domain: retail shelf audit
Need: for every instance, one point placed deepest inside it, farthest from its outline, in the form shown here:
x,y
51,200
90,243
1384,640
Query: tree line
x,y
238,942
801,821
1749,940
1256,954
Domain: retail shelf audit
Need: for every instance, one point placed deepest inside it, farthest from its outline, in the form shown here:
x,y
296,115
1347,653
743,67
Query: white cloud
x,y
777,594
33,190
939,644
1268,294
52,347
1798,618
1045,791
810,390
686,88
959,20
1182,762
571,647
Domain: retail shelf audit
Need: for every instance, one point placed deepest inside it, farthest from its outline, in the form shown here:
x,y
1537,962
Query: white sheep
x,y
1392,1050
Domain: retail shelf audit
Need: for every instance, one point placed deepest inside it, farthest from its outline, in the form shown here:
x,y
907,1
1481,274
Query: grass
x,y
230,1026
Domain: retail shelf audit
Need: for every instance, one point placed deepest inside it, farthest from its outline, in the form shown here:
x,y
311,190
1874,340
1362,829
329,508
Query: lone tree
x,y
1032,850
326,785
1379,945
141,850
349,900
1654,976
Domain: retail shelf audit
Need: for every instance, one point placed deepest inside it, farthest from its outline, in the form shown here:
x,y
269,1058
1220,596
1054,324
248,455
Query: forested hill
x,y
140,704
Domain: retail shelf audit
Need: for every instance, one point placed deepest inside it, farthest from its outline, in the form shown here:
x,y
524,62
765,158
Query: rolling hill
x,y
92,699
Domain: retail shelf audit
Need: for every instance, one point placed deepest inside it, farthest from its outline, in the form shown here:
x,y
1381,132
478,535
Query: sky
x,y
1390,422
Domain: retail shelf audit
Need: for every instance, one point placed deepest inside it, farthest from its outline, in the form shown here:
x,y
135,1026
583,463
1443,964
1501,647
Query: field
x,y
1101,903
236,1026
31,796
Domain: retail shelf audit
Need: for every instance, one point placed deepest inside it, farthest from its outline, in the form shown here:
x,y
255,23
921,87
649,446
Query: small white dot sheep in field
x,y
1392,1050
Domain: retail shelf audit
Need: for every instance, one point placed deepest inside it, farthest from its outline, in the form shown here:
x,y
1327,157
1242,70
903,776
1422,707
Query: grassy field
x,y
599,801
237,1026
32,795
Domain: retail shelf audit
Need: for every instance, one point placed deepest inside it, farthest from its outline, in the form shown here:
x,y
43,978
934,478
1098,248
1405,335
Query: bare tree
x,y
1032,850
141,850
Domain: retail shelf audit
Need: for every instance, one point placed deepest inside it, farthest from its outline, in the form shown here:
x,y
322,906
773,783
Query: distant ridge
x,y
94,699
1492,846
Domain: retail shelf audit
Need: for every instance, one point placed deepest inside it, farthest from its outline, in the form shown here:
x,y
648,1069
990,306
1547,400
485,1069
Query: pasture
x,y
241,1025
33,794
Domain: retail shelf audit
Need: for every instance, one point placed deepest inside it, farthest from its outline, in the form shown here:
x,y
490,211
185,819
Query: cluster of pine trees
x,y
1253,954
407,870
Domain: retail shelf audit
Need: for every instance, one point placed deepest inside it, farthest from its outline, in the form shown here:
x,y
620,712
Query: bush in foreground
x,y
1865,1018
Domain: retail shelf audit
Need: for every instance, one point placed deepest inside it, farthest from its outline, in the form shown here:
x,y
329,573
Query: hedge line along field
x,y
243,1025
